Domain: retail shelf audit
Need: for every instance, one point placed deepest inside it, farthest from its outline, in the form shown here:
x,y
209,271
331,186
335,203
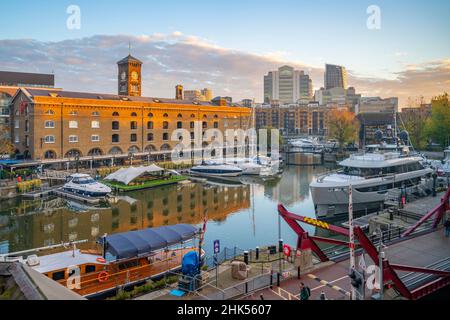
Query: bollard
x,y
246,257
278,279
298,273
271,279
257,253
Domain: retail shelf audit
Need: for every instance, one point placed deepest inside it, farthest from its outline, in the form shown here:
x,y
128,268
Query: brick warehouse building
x,y
56,124
296,119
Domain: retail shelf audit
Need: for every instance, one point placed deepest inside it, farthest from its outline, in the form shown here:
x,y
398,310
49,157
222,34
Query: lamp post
x,y
130,155
77,159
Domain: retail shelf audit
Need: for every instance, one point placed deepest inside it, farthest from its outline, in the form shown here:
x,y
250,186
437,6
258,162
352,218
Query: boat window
x,y
60,275
89,268
128,265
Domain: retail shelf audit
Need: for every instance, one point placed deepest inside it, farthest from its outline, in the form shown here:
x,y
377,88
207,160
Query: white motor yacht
x,y
84,184
307,145
371,176
216,170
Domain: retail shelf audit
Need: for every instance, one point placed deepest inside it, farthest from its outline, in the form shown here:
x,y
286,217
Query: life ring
x,y
101,260
103,276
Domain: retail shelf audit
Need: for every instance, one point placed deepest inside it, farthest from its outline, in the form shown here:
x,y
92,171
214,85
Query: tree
x,y
343,126
437,128
6,146
415,126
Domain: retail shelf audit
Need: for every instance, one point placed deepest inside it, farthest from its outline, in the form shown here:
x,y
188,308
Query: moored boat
x,y
125,259
84,184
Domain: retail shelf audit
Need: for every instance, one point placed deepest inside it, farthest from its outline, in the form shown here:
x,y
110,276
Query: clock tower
x,y
129,76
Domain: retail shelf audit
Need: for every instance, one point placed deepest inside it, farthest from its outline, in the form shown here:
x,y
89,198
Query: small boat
x,y
307,146
124,260
84,184
216,170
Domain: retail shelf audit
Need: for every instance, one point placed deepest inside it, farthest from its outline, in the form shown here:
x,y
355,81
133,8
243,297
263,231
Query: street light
x,y
77,159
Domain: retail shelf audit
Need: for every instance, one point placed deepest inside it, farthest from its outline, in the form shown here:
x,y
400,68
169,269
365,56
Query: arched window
x,y
165,115
49,154
133,149
95,152
165,147
192,115
216,116
95,114
205,116
73,153
179,115
115,150
115,114
73,113
150,115
50,112
133,114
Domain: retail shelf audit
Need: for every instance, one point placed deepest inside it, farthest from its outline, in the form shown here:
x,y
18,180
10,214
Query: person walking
x,y
447,228
305,292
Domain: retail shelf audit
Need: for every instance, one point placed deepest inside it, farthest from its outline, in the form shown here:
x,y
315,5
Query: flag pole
x,y
351,237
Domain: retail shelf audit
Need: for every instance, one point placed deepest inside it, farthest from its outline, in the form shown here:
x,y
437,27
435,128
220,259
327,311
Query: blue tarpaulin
x,y
135,243
189,265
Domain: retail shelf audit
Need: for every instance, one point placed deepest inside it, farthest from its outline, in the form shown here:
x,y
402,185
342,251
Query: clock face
x,y
134,75
123,75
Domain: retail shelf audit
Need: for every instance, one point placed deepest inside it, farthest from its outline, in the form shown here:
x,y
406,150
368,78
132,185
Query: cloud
x,y
89,64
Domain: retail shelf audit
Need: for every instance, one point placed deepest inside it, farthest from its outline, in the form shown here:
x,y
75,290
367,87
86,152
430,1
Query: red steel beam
x,y
314,222
304,240
333,241
438,209
430,288
389,273
400,267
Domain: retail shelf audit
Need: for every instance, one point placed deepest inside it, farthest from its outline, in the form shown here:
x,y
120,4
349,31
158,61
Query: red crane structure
x,y
437,280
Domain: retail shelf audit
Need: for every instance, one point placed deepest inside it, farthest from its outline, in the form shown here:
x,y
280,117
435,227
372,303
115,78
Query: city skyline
x,y
232,63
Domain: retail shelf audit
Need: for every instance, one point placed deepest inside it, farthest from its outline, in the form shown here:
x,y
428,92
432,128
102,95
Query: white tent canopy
x,y
126,175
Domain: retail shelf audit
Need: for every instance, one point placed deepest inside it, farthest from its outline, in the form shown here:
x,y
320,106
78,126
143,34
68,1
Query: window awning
x,y
136,243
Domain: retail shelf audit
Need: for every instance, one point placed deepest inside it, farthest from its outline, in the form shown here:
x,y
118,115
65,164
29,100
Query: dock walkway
x,y
422,251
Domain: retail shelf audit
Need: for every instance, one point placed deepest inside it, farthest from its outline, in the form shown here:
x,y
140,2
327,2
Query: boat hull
x,y
332,199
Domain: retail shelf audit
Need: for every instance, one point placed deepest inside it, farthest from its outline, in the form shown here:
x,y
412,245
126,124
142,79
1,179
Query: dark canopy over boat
x,y
136,243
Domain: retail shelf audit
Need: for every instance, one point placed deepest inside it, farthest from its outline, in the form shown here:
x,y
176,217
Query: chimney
x,y
179,92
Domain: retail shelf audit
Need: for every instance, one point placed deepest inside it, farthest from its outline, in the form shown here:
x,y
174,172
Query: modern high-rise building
x,y
335,77
287,85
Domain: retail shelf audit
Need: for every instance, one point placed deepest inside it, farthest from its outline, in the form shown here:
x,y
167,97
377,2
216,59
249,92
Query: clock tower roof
x,y
128,59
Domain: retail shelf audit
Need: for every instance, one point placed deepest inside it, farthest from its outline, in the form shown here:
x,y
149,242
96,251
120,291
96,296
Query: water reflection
x,y
244,216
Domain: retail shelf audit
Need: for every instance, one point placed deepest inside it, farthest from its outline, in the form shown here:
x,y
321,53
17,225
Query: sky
x,y
229,45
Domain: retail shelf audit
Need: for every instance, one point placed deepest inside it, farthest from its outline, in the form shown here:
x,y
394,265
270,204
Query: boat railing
x,y
90,284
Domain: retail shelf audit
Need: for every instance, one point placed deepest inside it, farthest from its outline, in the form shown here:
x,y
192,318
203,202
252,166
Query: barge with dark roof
x,y
124,260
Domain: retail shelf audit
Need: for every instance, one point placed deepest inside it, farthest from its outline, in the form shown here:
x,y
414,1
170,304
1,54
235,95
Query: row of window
x,y
133,114
115,138
50,124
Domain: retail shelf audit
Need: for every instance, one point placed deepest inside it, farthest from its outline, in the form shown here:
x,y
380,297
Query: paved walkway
x,y
420,251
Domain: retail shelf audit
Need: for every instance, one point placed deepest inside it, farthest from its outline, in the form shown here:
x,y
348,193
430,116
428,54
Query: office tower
x,y
335,77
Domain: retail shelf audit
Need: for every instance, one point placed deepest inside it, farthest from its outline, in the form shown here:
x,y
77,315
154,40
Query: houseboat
x,y
125,259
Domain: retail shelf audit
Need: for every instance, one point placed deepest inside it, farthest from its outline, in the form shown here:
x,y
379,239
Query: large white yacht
x,y
216,170
84,184
371,176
